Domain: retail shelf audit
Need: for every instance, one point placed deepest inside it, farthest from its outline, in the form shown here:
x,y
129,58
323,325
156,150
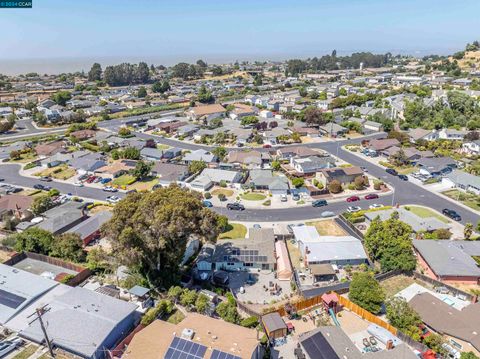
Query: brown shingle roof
x,y
207,109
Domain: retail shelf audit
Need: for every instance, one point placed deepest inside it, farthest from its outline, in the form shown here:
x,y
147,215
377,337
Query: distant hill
x,y
470,60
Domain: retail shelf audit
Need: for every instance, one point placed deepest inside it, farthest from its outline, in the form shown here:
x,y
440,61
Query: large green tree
x,y
390,243
61,97
403,317
95,73
366,292
149,231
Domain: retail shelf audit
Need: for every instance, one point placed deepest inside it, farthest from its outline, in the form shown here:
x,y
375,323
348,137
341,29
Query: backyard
x,y
233,231
426,212
295,254
327,228
395,284
469,199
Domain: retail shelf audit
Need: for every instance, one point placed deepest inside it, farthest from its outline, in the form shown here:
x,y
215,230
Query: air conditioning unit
x,y
188,333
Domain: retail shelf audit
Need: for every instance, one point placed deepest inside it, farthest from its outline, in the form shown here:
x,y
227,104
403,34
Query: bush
x,y
222,197
377,185
351,186
30,165
250,322
298,182
163,307
207,195
223,183
53,192
67,278
267,203
335,187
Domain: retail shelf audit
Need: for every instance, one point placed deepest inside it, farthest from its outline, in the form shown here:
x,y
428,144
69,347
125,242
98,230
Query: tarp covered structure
x,y
284,268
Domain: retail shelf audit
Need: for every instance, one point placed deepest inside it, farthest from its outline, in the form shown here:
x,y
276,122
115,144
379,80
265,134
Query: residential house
x,y
82,135
206,336
417,134
206,112
344,175
451,134
463,181
117,168
285,153
170,172
373,126
274,135
170,127
63,217
211,176
471,147
199,155
16,205
411,154
151,154
460,328
187,130
88,163
89,229
418,224
332,129
172,153
265,180
310,165
379,145
449,261
241,110
48,149
436,166
248,159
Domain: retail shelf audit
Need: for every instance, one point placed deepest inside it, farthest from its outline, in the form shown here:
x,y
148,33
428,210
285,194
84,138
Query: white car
x,y
283,198
78,184
113,199
353,209
376,205
110,189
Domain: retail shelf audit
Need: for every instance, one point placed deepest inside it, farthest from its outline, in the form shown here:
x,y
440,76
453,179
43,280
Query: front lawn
x,y
251,196
468,199
145,184
25,157
61,172
327,228
234,231
224,191
426,213
161,146
124,180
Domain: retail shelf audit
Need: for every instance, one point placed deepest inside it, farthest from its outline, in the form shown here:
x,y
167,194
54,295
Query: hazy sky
x,y
191,29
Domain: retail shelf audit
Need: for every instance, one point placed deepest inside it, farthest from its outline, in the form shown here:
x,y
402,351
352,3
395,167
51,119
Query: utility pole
x,y
39,312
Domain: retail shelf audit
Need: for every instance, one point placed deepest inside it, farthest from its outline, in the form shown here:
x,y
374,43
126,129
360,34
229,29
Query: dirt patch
x,y
295,254
327,227
395,284
5,255
100,208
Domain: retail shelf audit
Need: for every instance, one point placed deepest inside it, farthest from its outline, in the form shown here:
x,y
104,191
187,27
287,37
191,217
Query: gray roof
x,y
233,250
199,155
447,258
91,225
139,291
436,164
332,127
314,163
417,223
332,249
82,320
464,179
151,152
58,219
217,175
23,287
89,162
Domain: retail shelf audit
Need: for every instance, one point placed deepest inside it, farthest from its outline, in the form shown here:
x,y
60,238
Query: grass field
x,y
145,184
426,212
62,172
295,254
124,180
234,230
161,146
26,353
395,284
468,199
327,228
226,192
253,196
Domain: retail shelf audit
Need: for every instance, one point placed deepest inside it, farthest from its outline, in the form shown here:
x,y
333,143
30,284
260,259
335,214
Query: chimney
x,y
389,345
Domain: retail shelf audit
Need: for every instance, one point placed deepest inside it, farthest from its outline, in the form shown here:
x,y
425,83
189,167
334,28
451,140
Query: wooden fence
x,y
455,291
365,314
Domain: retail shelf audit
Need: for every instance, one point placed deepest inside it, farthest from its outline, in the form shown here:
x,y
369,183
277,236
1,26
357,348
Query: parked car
x,y
450,213
283,198
105,180
78,184
376,205
83,177
319,203
2,179
97,179
391,171
353,199
353,209
207,204
45,178
326,214
157,186
38,186
113,199
257,226
267,146
371,196
9,346
364,169
295,196
235,206
403,177
110,189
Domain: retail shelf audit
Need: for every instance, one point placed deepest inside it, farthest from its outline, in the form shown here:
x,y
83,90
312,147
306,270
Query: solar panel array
x,y
217,354
10,300
245,255
185,349
317,347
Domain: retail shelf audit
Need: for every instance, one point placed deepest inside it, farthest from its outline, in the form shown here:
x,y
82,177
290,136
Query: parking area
x,y
258,287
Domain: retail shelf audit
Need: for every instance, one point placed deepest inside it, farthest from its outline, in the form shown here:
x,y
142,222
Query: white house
x,y
266,114
463,181
471,147
451,134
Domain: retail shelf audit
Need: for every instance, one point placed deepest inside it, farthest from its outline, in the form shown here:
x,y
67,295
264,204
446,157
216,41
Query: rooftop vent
x,y
188,333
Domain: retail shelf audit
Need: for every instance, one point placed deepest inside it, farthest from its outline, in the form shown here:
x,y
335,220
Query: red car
x,y
371,196
353,199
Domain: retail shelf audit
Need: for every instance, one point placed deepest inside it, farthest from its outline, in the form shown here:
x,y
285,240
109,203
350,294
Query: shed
x,y
284,268
274,326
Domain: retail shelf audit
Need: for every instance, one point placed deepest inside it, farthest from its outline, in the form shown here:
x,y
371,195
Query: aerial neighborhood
x,y
311,209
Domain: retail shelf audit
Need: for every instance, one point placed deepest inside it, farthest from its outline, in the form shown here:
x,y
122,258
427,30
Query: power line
x,y
39,312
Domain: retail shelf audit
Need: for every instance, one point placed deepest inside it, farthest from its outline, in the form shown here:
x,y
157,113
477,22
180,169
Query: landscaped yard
x,y
26,157
468,199
124,180
395,284
161,146
327,228
252,196
426,212
145,184
26,352
224,191
62,172
234,231
175,317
